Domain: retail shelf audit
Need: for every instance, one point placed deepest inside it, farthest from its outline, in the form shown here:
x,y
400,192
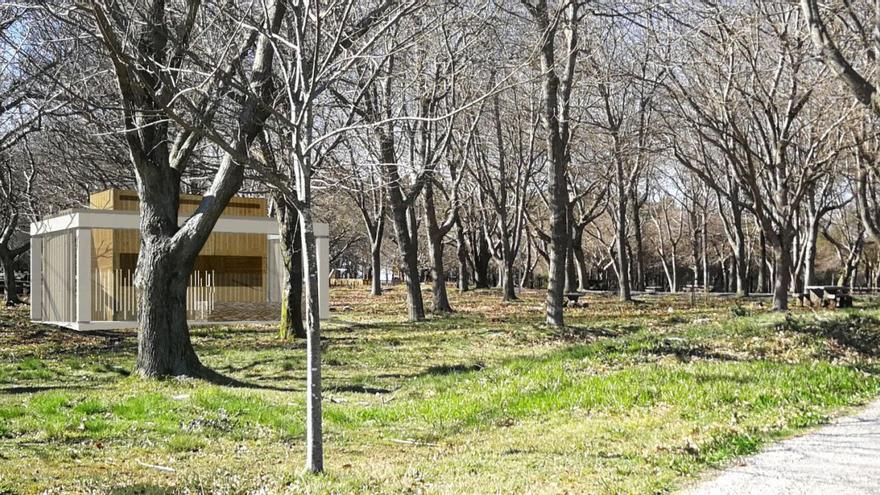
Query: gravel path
x,y
842,458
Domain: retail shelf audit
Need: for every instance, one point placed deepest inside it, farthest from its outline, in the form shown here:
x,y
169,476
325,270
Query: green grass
x,y
627,399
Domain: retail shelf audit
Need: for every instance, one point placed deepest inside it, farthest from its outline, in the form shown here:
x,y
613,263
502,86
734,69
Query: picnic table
x,y
573,297
828,296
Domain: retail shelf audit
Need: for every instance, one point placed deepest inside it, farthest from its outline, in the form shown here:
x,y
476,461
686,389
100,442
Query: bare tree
x,y
549,20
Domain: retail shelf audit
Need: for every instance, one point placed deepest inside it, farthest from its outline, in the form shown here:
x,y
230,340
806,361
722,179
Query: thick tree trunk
x,y
762,264
291,254
164,346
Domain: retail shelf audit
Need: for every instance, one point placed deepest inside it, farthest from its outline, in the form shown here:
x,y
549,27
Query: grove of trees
x,y
560,145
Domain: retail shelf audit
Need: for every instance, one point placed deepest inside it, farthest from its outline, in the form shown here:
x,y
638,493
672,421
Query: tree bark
x,y
782,273
314,427
376,267
291,254
436,234
406,240
11,286
462,254
164,346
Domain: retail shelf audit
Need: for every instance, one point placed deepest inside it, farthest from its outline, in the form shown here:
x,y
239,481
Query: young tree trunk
x,y
624,292
376,267
762,264
810,254
639,265
291,254
740,266
441,298
314,437
571,277
554,114
462,254
583,272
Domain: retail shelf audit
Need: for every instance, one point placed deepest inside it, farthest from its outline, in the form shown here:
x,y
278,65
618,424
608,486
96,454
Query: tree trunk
x,y
571,277
810,254
314,437
583,272
376,267
624,292
441,298
462,254
164,346
782,273
762,264
291,254
406,240
482,258
639,266
11,286
436,233
740,266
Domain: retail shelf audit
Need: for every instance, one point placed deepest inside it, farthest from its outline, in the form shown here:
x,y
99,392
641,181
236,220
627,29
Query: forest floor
x,y
630,398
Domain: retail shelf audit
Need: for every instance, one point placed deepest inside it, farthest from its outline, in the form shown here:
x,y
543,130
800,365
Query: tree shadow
x,y
39,388
686,351
141,489
359,389
451,369
859,333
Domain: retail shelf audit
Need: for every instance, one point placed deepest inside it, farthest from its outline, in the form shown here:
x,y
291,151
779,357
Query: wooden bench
x,y
653,289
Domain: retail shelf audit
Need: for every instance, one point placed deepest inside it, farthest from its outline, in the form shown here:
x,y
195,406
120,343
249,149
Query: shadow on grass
x,y
39,388
856,332
359,389
451,369
141,489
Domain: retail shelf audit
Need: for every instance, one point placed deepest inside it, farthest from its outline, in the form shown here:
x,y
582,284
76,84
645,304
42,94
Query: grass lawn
x,y
629,399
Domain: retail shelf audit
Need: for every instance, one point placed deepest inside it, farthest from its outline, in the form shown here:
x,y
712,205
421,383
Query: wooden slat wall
x,y
58,276
110,278
115,298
